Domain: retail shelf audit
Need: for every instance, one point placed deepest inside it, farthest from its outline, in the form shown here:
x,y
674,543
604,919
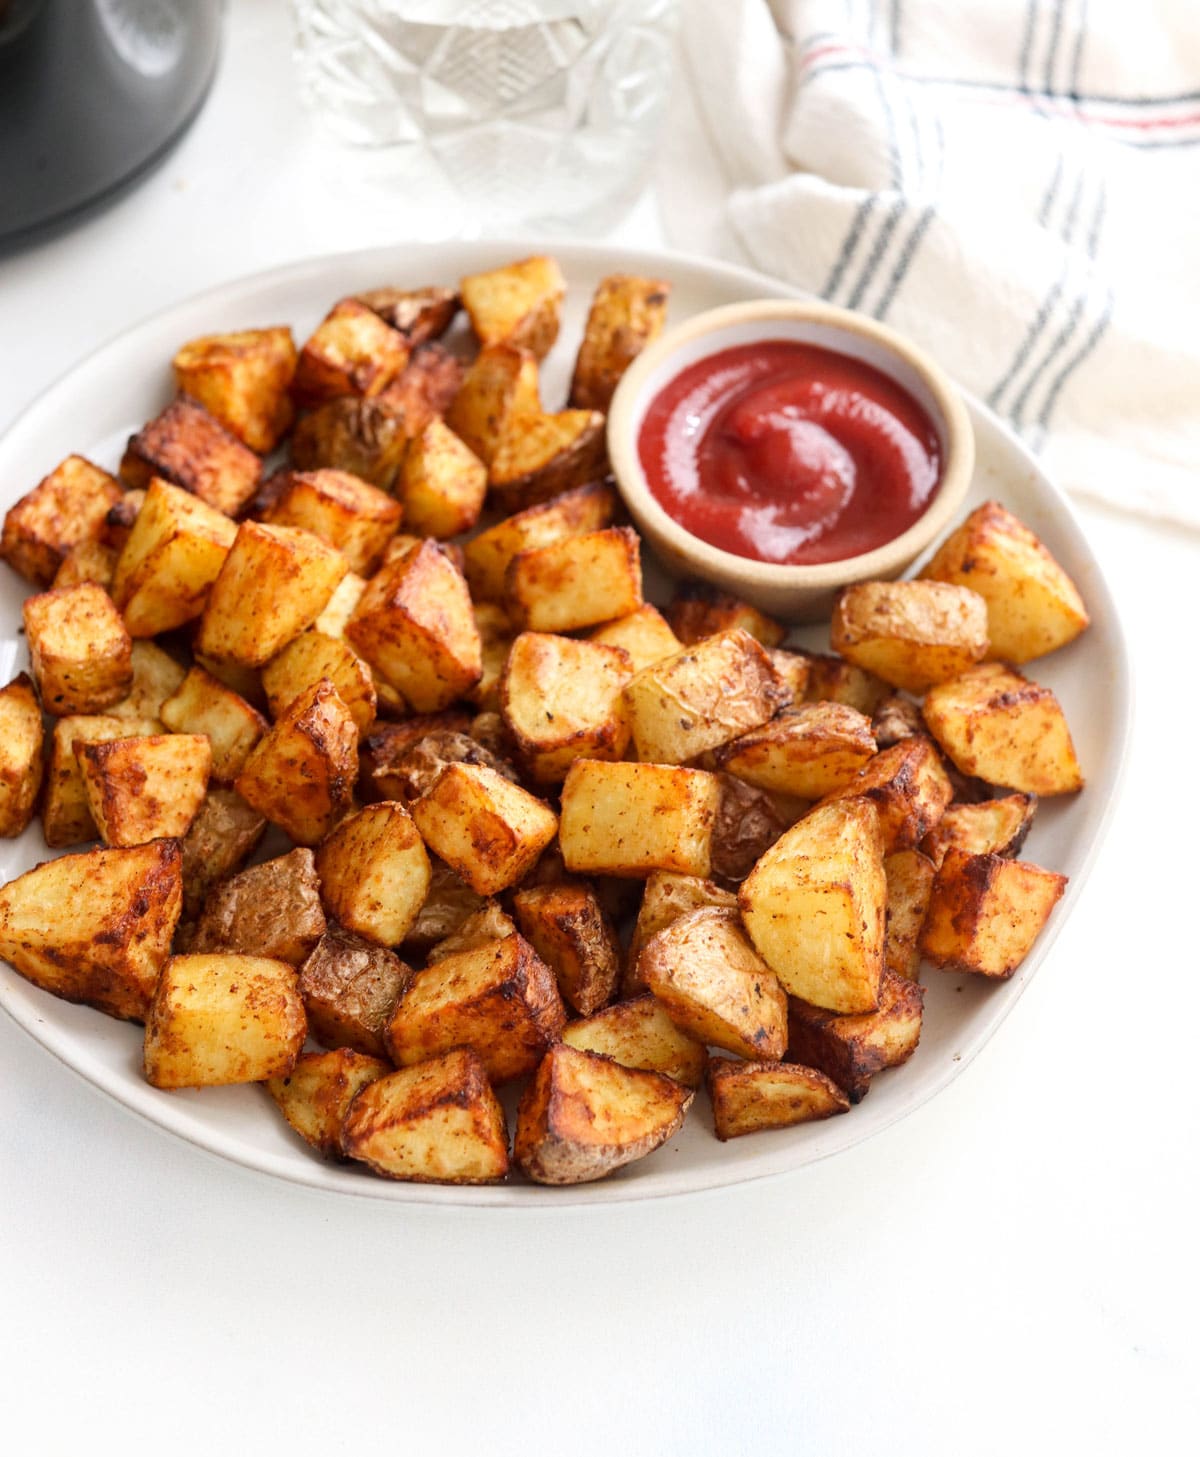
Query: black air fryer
x,y
92,94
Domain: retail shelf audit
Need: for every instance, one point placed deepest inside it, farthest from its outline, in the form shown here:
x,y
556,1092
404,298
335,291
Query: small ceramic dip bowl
x,y
793,592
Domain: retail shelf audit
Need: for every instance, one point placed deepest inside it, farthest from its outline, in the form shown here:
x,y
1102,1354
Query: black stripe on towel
x,y
888,227
1089,344
858,223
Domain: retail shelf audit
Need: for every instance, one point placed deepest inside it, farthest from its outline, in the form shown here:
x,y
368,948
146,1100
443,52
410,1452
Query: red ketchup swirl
x,y
787,452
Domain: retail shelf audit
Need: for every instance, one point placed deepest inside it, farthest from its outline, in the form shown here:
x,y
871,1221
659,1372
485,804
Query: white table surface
x,y
1011,1269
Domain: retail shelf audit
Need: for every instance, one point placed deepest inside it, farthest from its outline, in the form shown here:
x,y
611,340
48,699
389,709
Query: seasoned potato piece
x,y
222,837
185,446
908,786
79,649
62,511
384,749
367,438
222,1019
498,998
698,611
703,697
413,624
22,740
436,1123
576,582
566,927
833,680
442,483
350,988
896,719
795,669
500,386
242,380
239,678
66,819
349,513
1033,606
630,819
748,823
539,456
909,876
639,1034
273,909
910,634
561,700
202,705
425,388
986,912
375,873
808,751
340,607
489,923
574,513
157,676
87,561
1005,729
584,1116
627,313
313,656
417,313
418,763
666,897
750,1097
714,985
448,906
119,518
146,788
520,304
486,828
301,774
316,1095
989,827
351,352
95,927
852,1049
644,634
814,906
495,642
272,585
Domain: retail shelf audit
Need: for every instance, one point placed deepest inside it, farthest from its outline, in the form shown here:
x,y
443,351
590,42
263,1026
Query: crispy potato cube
x,y
62,511
519,304
425,388
909,875
1005,729
500,386
313,656
145,788
438,1122
750,1097
367,438
908,786
222,1019
414,625
202,705
222,837
273,909
489,923
22,740
639,1034
561,701
417,313
584,1116
351,352
809,751
703,697
449,905
986,912
852,1049
749,821
667,896
157,676
566,927
576,582
814,906
714,985
87,561
173,555
1033,606
499,998
630,819
242,380
66,818
316,1095
574,513
375,873
796,669
338,610
350,988
989,827
95,927
274,583
627,313
79,649
832,679
644,634
442,483
185,446
897,718
301,773
539,456
496,638
910,634
697,611
486,828
356,517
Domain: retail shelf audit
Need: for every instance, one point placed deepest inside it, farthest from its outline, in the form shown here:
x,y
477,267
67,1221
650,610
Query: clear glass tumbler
x,y
506,112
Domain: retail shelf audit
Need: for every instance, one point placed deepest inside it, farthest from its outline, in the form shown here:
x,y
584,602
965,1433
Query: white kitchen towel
x,y
1013,183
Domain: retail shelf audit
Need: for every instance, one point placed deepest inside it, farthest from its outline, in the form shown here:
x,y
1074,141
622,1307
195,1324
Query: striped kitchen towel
x,y
1014,183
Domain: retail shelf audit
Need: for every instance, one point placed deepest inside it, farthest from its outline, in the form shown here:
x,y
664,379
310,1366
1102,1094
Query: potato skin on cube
x,y
667,896
438,1122
366,437
697,611
64,510
831,679
374,873
910,634
187,447
908,786
749,821
351,352
141,789
417,313
639,1033
809,751
316,1095
349,513
487,829
79,649
576,582
631,819
626,314
221,1019
489,923
986,912
584,1116
750,1097
350,988
242,380
566,927
22,764
851,1049
273,909
218,843
519,304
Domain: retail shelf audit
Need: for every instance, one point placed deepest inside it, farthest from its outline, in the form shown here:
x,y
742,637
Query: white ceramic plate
x,y
100,402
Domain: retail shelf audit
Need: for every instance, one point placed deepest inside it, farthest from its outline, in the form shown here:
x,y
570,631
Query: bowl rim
x,y
713,562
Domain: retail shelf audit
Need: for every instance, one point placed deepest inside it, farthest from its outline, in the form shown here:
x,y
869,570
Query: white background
x,y
1011,1269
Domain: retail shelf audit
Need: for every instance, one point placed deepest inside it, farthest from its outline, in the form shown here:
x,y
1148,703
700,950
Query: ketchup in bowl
x,y
789,453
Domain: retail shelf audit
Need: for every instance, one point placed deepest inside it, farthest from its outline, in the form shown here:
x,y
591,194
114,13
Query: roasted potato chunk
x,y
640,1034
450,903
834,680
79,649
750,1097
382,751
519,304
338,610
630,819
146,788
313,656
203,705
316,1095
909,876
350,988
852,1049
442,483
487,829
119,518
988,827
986,912
417,313
910,634
22,740
496,636
697,611
627,313
666,897
489,923
796,669
909,788
566,927
272,909
62,511
242,380
95,927
157,676
185,446
349,513
574,513
500,386
375,873
87,561
66,819
351,352
576,582
644,634
222,837
748,823
809,751
538,456
897,718
417,764
584,1116
367,438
